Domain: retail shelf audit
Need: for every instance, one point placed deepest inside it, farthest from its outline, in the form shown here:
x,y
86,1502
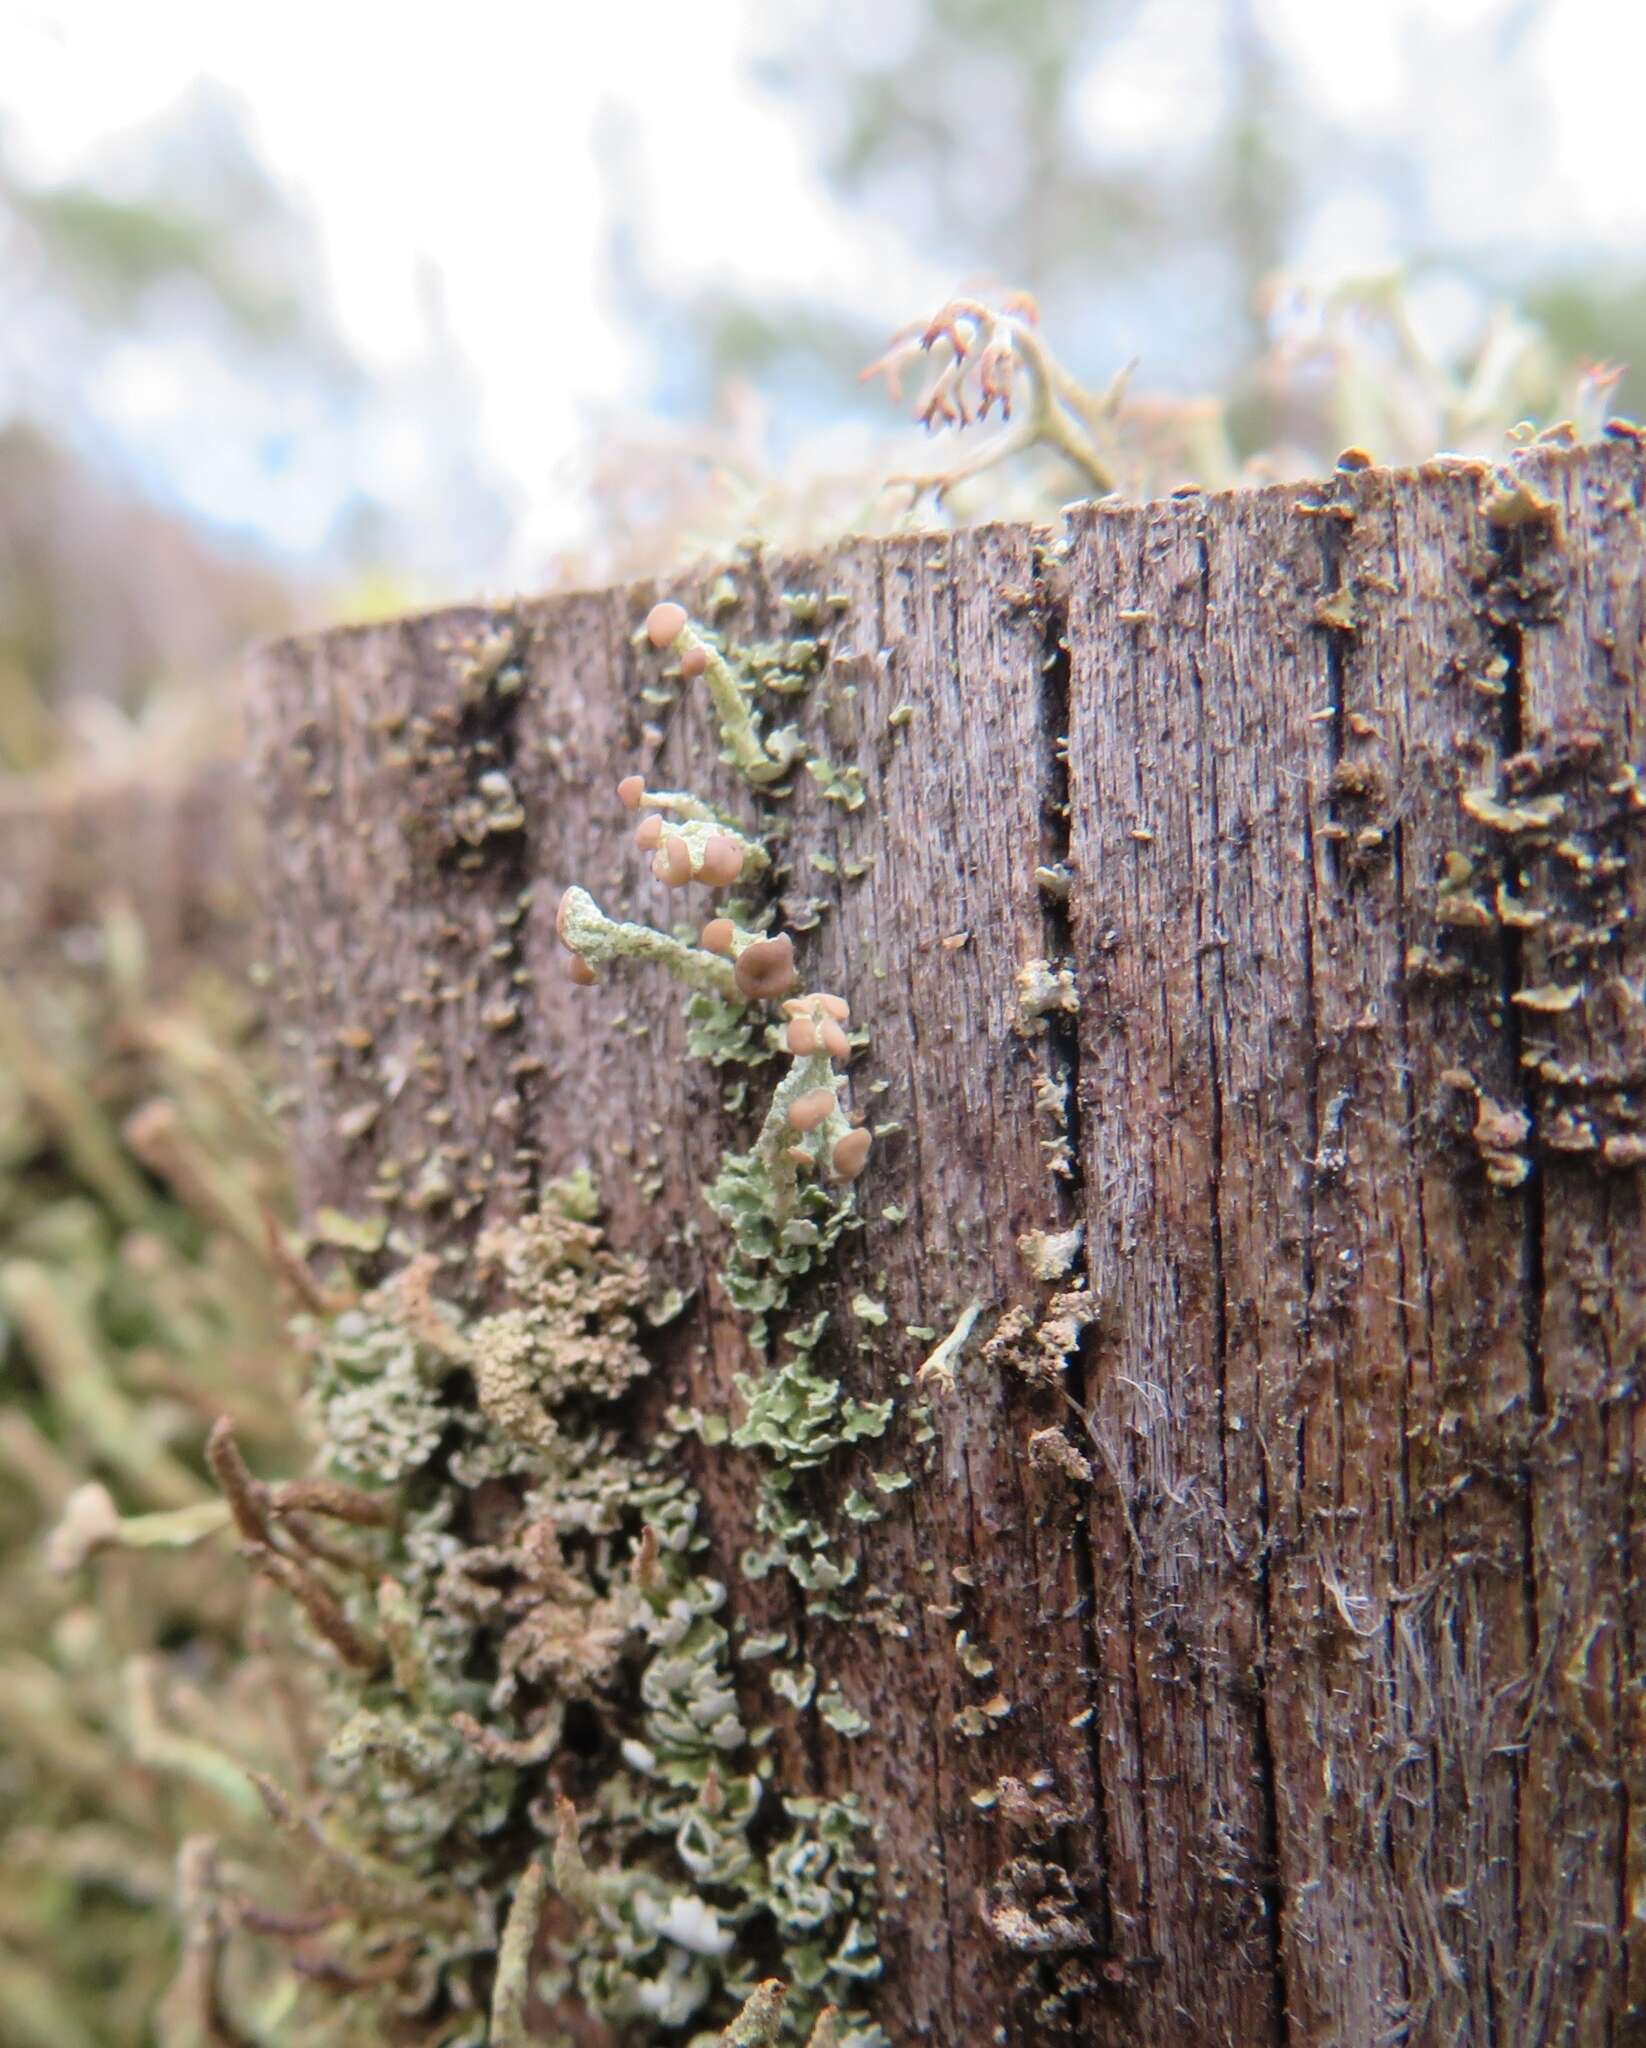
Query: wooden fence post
x,y
1255,1655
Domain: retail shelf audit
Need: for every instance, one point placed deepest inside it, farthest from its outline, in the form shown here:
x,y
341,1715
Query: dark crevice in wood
x,y
1333,568
1064,1044
1354,1596
516,868
1508,550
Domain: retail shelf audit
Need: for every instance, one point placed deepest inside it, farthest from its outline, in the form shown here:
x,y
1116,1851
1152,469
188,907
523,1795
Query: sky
x,y
479,145
471,143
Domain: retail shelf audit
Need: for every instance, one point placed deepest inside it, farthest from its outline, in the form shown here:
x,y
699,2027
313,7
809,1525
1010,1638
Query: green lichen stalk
x,y
761,759
598,941
783,1218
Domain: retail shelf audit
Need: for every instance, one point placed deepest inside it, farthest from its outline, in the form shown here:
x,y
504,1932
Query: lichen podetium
x,y
532,1793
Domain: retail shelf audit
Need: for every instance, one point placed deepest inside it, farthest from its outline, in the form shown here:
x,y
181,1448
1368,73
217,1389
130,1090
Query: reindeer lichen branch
x,y
991,353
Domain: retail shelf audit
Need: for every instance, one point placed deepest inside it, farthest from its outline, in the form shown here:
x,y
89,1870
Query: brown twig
x,y
246,1495
330,1497
320,1604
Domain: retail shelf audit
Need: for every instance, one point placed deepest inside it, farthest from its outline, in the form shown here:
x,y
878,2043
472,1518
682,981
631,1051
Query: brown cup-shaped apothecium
x,y
765,968
851,1154
807,1111
672,863
665,623
722,861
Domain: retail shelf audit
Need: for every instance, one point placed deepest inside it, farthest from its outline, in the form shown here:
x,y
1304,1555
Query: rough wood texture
x,y
1327,1684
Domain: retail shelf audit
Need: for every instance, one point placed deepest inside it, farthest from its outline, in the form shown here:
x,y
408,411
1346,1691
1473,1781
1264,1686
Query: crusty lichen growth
x,y
520,1782
1049,1254
1044,990
571,1329
518,1569
787,1198
1538,886
1041,1350
1050,1450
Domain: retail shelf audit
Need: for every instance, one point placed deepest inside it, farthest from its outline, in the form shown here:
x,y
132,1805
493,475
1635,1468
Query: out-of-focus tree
x,y
126,297
168,358
1160,177
983,126
103,600
181,229
982,129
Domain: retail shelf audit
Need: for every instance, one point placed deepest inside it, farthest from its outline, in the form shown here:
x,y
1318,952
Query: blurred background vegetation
x,y
355,310
311,313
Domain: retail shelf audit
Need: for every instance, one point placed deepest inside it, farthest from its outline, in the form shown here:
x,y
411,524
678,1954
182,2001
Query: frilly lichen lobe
x,y
539,1567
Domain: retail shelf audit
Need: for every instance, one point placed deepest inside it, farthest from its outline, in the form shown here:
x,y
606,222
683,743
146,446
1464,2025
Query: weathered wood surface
x,y
1330,1679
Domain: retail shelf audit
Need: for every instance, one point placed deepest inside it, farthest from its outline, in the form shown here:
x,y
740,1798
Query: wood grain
x,y
1323,1692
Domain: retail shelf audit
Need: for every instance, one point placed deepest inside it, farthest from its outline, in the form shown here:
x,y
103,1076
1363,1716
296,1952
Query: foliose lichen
x,y
520,1639
520,1643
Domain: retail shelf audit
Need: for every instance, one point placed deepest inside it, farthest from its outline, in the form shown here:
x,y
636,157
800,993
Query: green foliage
x,y
137,1304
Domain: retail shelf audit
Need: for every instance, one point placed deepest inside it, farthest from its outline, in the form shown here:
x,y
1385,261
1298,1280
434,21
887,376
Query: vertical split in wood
x,y
1330,1677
